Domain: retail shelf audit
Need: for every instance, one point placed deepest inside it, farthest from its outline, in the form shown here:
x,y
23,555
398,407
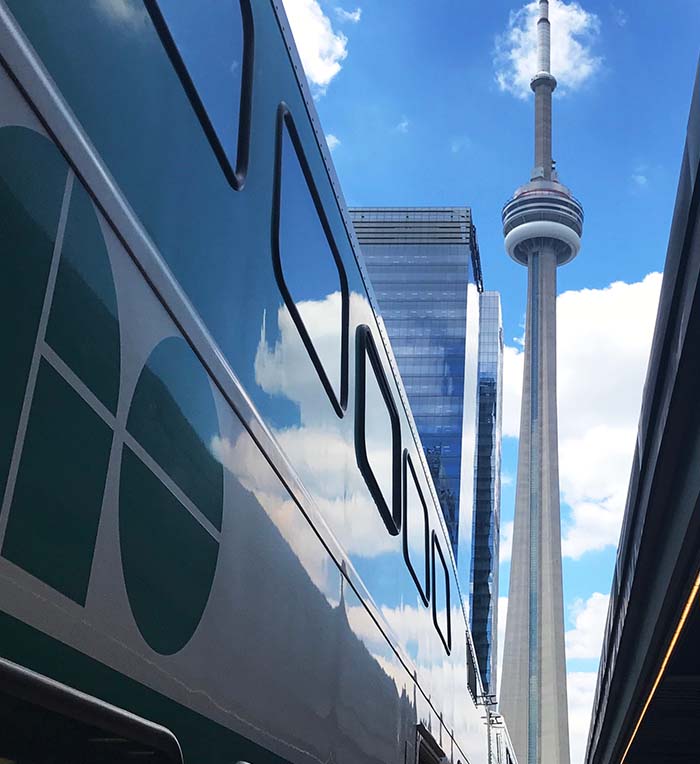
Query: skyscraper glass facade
x,y
421,262
487,490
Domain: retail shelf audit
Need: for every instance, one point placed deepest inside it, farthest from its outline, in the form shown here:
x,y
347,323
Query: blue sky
x,y
409,91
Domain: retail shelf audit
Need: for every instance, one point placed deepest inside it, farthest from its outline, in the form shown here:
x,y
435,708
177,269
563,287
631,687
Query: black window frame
x,y
410,472
286,121
365,348
234,175
437,550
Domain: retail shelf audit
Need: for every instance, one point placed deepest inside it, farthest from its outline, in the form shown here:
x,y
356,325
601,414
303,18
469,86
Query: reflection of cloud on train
x,y
409,622
126,13
361,634
322,450
242,459
439,679
310,596
283,369
361,667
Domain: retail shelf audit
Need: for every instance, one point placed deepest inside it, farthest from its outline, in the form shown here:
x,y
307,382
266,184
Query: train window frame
x,y
285,120
235,175
80,709
365,348
409,470
437,551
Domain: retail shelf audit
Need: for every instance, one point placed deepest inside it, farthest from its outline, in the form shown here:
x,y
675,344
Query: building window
x,y
308,267
441,595
416,538
377,432
211,47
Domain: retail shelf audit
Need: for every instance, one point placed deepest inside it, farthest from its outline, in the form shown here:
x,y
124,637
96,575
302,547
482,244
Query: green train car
x,y
219,540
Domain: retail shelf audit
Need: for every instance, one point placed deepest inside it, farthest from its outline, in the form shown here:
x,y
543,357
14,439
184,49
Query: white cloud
x,y
332,141
595,469
512,390
640,177
459,143
621,17
352,16
506,546
586,638
595,525
580,691
127,13
574,33
322,50
603,342
402,127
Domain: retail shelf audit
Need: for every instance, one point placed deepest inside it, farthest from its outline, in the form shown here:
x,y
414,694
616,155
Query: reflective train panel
x,y
219,540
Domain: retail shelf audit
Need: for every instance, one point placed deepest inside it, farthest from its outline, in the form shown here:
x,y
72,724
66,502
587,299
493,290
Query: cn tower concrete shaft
x,y
533,692
542,224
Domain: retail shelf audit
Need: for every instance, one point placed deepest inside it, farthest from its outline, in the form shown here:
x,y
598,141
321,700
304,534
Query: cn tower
x,y
542,225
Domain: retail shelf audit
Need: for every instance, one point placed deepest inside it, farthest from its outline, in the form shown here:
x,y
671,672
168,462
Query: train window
x,y
416,537
471,669
308,267
428,749
211,48
441,595
44,722
377,432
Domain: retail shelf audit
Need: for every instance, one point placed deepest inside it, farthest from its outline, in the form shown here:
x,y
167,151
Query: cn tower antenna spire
x,y
543,84
542,225
543,38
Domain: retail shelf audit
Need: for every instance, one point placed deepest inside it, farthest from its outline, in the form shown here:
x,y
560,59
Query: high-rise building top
x,y
487,491
424,263
415,225
542,225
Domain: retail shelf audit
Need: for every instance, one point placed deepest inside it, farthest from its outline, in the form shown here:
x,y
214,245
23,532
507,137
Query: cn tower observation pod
x,y
543,210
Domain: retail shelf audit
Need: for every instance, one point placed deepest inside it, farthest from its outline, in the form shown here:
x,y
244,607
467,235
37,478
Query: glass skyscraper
x,y
426,274
487,490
